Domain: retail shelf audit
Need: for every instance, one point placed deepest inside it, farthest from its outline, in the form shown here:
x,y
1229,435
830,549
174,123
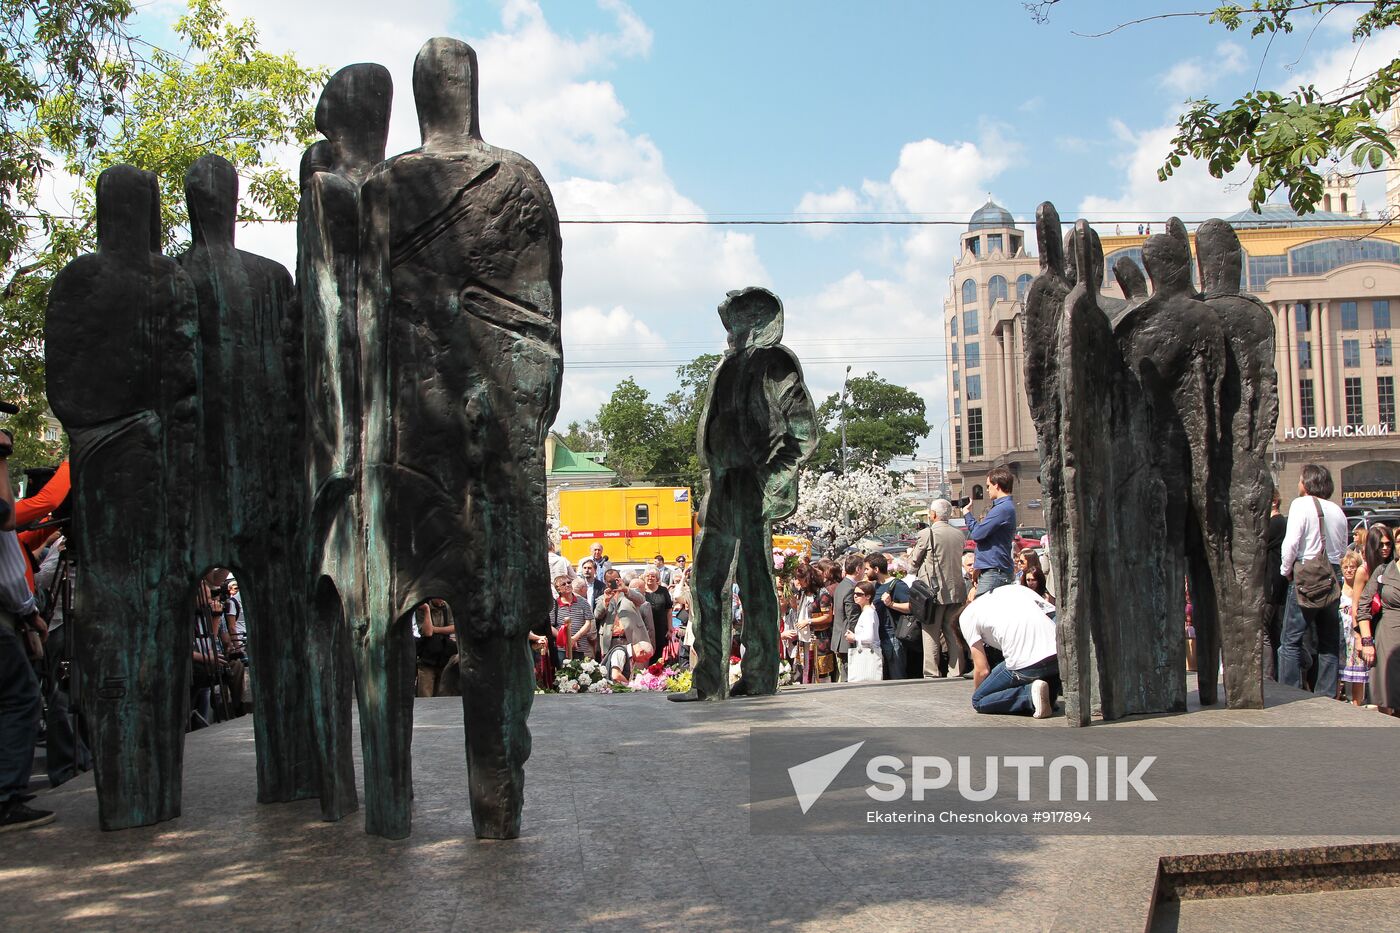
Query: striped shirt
x,y
15,596
578,615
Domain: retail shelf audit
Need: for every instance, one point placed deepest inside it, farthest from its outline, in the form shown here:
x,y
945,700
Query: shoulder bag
x,y
1314,582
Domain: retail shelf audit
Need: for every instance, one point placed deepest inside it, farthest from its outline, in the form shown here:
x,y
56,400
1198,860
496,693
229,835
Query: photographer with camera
x,y
22,631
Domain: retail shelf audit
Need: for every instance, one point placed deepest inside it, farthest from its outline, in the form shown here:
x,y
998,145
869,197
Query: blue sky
x,y
781,109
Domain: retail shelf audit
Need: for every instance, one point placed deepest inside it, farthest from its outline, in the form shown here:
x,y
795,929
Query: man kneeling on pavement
x,y
1021,625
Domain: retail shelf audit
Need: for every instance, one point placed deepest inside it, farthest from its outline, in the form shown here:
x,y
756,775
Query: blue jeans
x,y
1009,691
20,709
892,649
991,578
1326,623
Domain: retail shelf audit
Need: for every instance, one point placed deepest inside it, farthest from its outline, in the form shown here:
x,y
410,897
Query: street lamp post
x,y
845,387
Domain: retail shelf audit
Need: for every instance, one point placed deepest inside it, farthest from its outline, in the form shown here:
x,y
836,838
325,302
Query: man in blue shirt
x,y
994,534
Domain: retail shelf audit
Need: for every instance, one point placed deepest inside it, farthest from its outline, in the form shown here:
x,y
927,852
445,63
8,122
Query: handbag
x,y
1314,582
1376,598
922,601
864,664
826,663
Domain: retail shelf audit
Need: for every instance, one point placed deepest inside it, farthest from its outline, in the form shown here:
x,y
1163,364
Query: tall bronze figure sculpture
x,y
251,499
120,350
353,116
1149,424
757,428
461,365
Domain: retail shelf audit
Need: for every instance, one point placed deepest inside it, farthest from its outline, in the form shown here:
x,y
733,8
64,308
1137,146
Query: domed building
x,y
988,415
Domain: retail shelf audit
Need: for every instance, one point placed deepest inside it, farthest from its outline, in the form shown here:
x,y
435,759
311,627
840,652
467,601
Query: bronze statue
x,y
1152,427
757,428
353,116
461,365
120,348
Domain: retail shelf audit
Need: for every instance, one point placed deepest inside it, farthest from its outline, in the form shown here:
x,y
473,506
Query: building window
x,y
972,355
955,376
974,388
1304,354
969,290
974,432
1305,397
953,353
1264,268
953,326
994,243
1380,315
1383,352
1348,315
1385,400
1326,255
1351,353
1023,285
957,442
969,323
996,289
975,244
957,406
1353,399
1301,317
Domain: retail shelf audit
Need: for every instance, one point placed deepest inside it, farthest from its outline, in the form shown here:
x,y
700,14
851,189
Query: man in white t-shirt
x,y
1306,538
559,566
1021,625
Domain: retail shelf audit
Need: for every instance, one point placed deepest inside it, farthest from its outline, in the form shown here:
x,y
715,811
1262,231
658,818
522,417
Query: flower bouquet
x,y
584,676
785,561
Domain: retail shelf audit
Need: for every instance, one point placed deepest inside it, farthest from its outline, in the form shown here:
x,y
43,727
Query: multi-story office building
x,y
1331,281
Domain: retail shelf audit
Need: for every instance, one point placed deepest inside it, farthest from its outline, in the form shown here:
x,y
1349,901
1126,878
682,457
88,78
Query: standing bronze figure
x,y
757,428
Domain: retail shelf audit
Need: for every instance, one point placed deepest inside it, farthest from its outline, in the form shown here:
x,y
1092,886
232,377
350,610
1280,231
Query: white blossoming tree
x,y
851,505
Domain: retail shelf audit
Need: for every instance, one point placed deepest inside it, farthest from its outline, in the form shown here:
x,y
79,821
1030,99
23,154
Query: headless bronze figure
x,y
461,367
120,350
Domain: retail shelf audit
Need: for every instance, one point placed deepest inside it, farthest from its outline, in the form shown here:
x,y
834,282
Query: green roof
x,y
566,461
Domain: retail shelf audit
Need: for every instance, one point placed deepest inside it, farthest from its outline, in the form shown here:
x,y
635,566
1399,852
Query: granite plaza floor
x,y
636,819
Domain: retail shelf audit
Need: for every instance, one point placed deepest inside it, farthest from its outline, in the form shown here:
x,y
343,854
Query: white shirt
x,y
559,566
1013,620
866,627
1301,540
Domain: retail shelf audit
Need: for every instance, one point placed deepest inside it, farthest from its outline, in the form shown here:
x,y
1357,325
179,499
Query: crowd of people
x,y
1333,615
944,609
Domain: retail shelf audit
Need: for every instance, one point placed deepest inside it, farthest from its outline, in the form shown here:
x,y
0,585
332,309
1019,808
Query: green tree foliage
x,y
580,440
649,442
1288,139
630,425
883,420
76,91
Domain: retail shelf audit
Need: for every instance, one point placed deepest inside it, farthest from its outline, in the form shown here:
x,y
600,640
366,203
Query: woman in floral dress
x,y
1354,670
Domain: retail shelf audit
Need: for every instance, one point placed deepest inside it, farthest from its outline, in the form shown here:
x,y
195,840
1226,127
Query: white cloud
x,y
1192,76
544,94
890,321
1190,190
834,206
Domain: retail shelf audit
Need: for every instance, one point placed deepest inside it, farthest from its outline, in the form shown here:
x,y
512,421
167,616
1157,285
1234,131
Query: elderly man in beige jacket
x,y
937,560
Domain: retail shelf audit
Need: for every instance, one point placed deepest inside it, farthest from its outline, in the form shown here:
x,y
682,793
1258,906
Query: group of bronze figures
x,y
350,444
370,435
1154,414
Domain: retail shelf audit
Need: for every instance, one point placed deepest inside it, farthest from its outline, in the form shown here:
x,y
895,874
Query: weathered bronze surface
x,y
353,116
120,347
249,508
461,367
1153,427
757,428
